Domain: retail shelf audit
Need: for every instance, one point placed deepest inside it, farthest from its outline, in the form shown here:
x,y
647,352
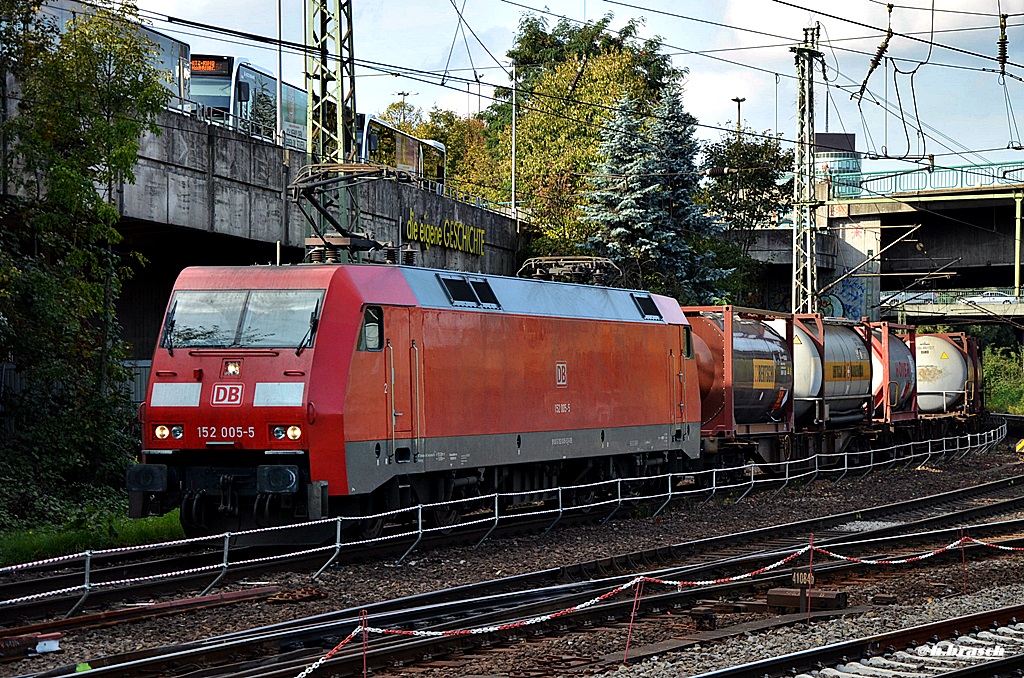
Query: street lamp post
x,y
403,95
739,128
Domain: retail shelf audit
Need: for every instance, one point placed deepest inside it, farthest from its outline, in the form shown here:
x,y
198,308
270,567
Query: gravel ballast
x,y
359,584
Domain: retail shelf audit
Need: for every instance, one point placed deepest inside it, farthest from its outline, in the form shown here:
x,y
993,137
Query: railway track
x,y
202,570
295,646
498,603
974,646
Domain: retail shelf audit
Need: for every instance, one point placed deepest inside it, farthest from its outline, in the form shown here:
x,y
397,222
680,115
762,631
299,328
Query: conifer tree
x,y
622,207
686,235
642,205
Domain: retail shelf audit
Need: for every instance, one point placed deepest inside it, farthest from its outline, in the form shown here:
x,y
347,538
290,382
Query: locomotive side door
x,y
677,388
679,359
400,373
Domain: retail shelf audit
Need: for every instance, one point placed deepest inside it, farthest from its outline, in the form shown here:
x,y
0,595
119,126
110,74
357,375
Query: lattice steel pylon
x,y
331,81
804,250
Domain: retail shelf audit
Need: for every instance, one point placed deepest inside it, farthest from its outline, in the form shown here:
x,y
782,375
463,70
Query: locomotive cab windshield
x,y
242,319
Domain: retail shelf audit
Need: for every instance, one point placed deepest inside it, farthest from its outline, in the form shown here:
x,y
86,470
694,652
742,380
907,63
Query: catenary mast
x,y
331,88
330,80
804,249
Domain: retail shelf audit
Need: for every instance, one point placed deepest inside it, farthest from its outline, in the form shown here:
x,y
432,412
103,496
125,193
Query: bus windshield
x,y
242,319
213,91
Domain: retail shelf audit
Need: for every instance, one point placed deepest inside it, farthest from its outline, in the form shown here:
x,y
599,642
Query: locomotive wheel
x,y
444,517
199,517
583,499
632,490
367,528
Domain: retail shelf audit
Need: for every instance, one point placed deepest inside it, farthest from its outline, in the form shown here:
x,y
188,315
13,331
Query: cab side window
x,y
371,334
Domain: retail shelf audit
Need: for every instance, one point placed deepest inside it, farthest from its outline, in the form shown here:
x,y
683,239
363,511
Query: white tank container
x,y
942,374
846,371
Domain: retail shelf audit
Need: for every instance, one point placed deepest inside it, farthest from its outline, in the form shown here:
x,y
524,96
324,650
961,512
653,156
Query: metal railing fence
x,y
623,492
872,184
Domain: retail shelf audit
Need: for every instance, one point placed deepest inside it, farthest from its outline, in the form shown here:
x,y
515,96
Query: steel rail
x,y
811,659
432,611
61,604
389,651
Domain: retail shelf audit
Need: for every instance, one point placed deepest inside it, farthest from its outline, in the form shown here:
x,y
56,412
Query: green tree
x,y
85,96
623,206
539,50
557,145
751,198
403,116
642,206
687,237
1004,379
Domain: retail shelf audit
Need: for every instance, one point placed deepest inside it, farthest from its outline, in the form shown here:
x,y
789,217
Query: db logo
x,y
561,374
227,394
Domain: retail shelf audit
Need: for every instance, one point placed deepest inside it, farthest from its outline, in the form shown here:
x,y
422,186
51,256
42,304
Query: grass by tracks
x,y
86,530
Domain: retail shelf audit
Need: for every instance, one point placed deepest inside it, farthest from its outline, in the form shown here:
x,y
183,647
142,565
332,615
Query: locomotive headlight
x,y
232,368
294,433
161,432
177,431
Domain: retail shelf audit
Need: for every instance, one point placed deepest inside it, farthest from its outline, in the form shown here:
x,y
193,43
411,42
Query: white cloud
x,y
965,105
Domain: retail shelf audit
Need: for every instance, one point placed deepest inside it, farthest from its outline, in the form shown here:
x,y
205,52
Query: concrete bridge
x,y
942,230
208,195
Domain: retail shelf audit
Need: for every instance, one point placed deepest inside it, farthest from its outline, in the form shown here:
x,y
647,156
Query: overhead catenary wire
x,y
739,28
269,44
390,71
963,12
714,127
455,39
880,195
789,40
886,108
477,37
405,72
908,36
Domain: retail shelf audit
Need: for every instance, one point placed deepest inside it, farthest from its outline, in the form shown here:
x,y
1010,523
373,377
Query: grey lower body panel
x,y
368,470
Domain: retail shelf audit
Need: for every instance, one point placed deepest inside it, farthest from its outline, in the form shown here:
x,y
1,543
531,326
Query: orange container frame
x,y
719,409
907,334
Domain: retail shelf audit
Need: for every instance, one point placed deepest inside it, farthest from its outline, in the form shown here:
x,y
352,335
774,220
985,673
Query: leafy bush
x,y
66,424
1004,381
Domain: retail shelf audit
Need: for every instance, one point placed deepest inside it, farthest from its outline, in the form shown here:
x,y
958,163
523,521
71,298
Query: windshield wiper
x,y
169,329
307,339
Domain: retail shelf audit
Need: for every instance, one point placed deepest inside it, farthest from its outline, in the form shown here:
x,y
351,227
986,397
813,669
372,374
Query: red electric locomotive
x,y
283,394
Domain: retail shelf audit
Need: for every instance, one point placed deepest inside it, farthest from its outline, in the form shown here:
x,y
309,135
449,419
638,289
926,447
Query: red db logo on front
x,y
227,394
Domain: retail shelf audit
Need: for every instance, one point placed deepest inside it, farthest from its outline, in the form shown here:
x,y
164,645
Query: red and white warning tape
x,y
364,629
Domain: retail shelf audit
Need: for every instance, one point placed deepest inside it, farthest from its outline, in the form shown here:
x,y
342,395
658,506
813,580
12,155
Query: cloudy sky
x,y
731,48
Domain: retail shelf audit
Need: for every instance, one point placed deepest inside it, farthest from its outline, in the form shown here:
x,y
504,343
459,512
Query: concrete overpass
x,y
208,195
946,229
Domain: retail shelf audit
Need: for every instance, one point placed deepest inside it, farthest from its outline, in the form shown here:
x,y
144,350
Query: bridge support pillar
x,y
1016,244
